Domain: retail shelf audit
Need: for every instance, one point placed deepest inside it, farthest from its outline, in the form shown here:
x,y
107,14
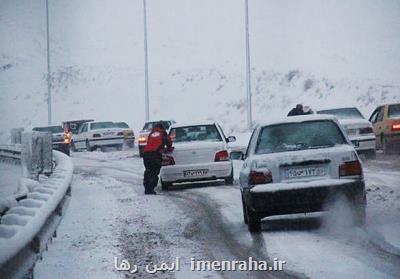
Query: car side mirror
x,y
231,139
237,155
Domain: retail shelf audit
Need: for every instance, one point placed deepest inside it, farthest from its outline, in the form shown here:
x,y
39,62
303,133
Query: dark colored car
x,y
60,138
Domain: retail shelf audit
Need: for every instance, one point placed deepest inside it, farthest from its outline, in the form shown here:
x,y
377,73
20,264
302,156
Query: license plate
x,y
195,173
304,172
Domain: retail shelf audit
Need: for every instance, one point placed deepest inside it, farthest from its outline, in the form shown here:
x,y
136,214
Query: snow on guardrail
x,y
21,228
11,152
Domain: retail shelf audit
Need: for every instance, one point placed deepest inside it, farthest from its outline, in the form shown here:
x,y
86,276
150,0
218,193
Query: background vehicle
x,y
92,135
386,121
61,139
200,153
129,135
296,166
358,129
74,125
144,133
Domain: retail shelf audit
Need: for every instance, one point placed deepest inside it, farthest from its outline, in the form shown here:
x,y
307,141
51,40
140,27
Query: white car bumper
x,y
364,143
107,141
196,172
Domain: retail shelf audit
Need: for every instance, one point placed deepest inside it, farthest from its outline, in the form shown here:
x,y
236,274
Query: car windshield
x,y
101,125
343,113
150,125
52,129
195,133
299,136
394,111
121,125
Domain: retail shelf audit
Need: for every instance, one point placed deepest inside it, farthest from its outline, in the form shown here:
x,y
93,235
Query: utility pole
x,y
146,66
49,120
248,69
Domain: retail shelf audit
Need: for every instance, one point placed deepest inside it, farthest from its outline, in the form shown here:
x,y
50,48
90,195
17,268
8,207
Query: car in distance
x,y
386,121
296,165
200,153
358,129
92,135
144,133
129,135
60,138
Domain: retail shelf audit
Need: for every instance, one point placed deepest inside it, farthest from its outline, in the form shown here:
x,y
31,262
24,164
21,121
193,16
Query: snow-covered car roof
x,y
300,118
198,123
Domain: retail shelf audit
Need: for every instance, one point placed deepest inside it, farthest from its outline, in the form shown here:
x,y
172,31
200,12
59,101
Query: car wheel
x,y
359,216
244,211
88,147
229,180
254,221
371,154
119,147
165,185
73,148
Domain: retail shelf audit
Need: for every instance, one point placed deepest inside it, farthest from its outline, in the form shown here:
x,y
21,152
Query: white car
x,y
92,135
358,129
298,165
200,153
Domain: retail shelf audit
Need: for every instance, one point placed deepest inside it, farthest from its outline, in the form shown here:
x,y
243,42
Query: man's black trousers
x,y
152,163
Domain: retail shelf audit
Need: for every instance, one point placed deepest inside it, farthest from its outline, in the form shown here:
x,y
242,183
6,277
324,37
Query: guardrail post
x,y
26,155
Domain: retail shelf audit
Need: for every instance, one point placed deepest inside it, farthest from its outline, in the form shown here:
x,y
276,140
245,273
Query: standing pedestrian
x,y
157,141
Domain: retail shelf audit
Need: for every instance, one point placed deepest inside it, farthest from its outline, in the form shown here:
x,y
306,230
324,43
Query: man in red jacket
x,y
157,141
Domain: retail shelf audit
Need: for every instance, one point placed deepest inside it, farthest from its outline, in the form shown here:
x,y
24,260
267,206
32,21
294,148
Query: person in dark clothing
x,y
298,110
157,141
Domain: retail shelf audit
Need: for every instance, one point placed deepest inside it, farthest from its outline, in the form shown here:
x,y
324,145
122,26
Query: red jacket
x,y
157,140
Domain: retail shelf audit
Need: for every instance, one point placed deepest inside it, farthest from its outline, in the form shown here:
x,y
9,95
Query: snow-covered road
x,y
109,217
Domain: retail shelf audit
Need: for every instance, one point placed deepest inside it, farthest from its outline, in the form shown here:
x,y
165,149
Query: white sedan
x,y
358,129
200,153
92,135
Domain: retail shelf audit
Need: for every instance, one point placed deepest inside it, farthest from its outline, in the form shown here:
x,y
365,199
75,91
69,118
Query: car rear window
x,y
299,136
52,129
343,113
394,111
195,133
121,125
102,125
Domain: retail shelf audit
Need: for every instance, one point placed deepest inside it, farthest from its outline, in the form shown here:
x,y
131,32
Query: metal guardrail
x,y
12,152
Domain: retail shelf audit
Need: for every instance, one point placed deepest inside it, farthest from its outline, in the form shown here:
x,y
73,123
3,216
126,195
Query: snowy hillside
x,y
327,53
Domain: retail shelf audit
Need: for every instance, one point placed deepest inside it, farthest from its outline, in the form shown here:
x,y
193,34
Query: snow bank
x,y
22,222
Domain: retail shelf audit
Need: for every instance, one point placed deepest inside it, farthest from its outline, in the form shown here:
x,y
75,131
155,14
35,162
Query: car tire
x,y
229,180
165,185
119,147
359,216
244,211
88,147
254,221
370,154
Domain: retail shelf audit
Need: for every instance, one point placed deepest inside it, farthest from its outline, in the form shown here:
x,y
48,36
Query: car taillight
x,y
142,139
366,130
221,156
260,177
96,135
167,160
120,134
396,127
350,168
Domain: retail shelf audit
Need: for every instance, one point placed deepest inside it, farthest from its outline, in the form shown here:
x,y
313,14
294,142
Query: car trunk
x,y
308,165
196,152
